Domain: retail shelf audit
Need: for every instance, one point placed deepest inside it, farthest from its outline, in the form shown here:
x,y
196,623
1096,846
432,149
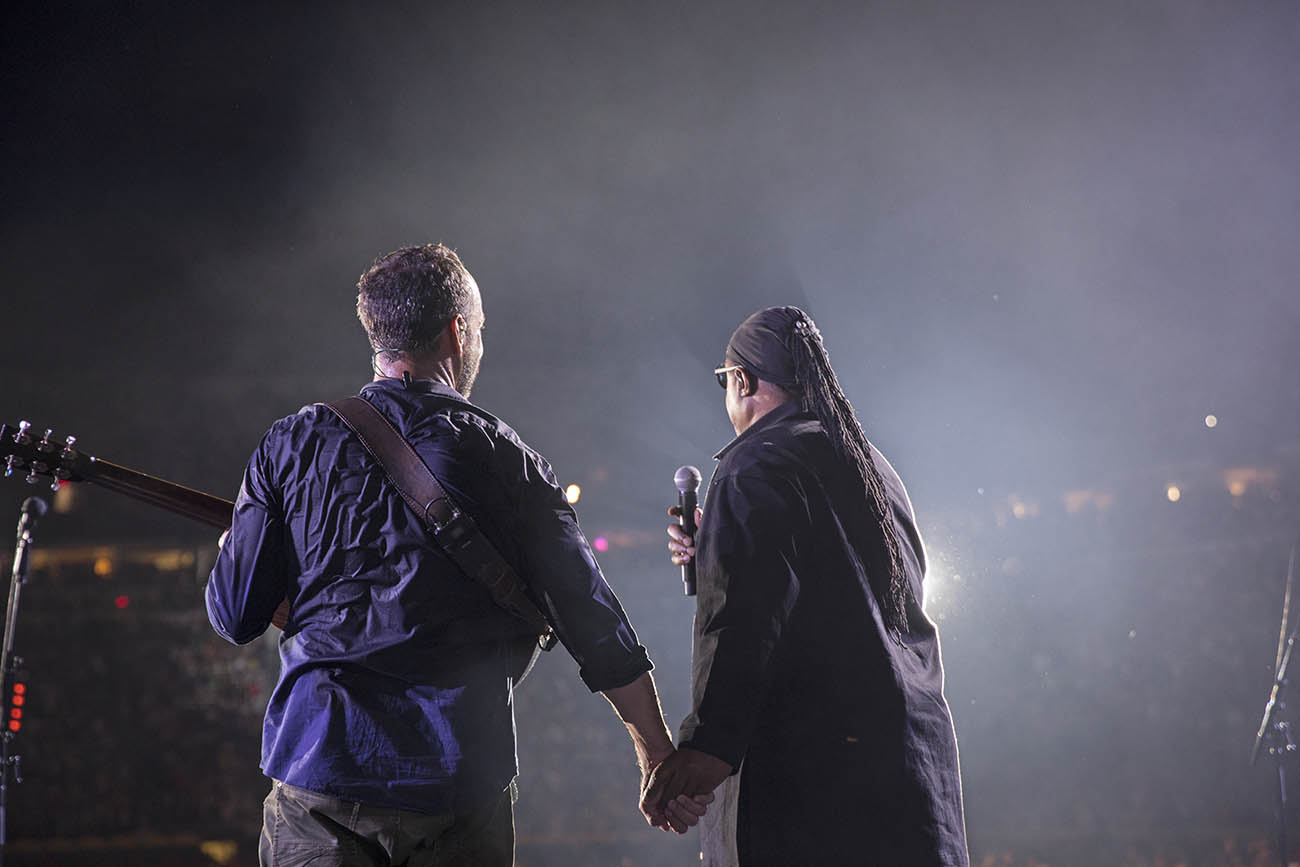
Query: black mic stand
x,y
1274,735
10,763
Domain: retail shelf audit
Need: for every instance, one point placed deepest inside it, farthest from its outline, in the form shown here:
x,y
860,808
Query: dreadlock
x,y
822,396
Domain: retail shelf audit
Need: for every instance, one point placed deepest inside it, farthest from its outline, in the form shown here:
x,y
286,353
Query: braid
x,y
823,397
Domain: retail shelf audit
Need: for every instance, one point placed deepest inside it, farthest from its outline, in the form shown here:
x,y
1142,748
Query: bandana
x,y
762,343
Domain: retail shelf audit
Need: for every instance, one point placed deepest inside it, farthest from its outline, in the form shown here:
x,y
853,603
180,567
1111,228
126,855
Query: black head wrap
x,y
781,345
762,345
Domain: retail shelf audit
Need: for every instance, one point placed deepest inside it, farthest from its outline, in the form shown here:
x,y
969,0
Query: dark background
x,y
1043,242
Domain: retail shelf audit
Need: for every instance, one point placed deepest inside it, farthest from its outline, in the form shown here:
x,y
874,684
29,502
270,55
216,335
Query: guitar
x,y
61,461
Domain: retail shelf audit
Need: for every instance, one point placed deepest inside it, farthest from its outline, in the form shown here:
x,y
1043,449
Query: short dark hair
x,y
408,296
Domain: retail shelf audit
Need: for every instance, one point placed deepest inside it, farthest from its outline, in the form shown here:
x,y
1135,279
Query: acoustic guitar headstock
x,y
39,457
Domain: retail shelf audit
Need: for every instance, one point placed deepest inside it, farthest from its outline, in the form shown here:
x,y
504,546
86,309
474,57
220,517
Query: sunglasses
x,y
721,374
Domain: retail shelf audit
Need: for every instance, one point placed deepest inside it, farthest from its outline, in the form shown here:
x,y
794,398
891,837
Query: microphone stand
x,y
1274,735
11,763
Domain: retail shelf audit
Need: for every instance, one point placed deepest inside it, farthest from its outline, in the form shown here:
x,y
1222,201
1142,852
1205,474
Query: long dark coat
x,y
843,735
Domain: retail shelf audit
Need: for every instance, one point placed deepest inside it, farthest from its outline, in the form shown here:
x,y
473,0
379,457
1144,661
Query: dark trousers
x,y
301,828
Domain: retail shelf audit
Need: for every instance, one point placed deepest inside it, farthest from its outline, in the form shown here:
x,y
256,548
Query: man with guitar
x,y
390,734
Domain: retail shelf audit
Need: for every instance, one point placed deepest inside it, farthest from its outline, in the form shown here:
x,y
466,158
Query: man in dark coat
x,y
817,693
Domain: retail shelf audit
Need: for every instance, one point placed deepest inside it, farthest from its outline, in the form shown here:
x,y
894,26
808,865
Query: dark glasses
x,y
721,374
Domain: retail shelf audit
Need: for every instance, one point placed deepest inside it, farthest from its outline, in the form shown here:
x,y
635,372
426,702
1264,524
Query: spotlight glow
x,y
1173,493
572,493
600,543
1211,420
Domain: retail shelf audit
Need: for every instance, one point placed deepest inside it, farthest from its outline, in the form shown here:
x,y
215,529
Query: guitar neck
x,y
214,511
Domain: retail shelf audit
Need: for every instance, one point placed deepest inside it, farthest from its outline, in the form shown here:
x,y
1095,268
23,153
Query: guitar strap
x,y
454,530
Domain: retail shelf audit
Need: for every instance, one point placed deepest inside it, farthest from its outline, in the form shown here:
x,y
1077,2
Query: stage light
x,y
572,493
103,567
1173,493
122,601
1211,420
600,543
17,698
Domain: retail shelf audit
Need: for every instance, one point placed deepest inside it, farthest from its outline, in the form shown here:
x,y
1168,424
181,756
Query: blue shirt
x,y
394,685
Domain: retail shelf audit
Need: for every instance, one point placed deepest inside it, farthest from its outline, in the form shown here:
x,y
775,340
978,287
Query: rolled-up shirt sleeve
x,y
248,581
561,571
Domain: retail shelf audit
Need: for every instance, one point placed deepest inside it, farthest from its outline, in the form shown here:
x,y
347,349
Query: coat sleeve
x,y
747,588
248,581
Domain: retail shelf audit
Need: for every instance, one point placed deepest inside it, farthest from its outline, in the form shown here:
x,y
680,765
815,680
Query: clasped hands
x,y
677,791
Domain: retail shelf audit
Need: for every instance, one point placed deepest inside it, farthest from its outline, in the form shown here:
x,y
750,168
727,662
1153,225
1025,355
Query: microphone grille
x,y
36,506
687,479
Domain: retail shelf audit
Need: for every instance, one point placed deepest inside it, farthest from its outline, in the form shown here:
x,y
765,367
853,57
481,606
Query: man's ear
x,y
746,382
457,326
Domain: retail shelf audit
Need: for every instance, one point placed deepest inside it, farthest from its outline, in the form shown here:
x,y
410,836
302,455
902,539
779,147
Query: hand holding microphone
x,y
681,536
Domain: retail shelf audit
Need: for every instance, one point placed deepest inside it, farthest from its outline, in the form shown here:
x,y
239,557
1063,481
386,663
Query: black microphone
x,y
688,482
34,508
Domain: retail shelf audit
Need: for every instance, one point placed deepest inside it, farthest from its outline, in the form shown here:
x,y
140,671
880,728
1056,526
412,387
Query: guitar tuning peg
x,y
21,436
9,466
55,485
49,432
31,476
69,441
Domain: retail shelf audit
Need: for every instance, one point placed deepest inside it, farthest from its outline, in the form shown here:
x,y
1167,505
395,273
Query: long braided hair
x,y
822,396
782,345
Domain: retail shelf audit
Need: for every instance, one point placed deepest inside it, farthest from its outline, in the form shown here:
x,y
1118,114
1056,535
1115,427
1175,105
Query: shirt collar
x,y
781,413
421,386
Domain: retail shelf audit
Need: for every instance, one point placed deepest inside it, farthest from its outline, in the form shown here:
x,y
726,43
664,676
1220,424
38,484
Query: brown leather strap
x,y
455,531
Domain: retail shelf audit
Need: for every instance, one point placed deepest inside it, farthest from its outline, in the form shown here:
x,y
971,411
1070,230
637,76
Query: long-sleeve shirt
x,y
796,679
394,686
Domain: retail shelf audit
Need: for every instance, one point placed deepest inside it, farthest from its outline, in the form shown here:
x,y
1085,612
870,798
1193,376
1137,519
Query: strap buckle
x,y
441,513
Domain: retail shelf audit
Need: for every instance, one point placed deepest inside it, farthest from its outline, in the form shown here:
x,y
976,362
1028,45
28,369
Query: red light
x,y
122,601
600,543
18,701
14,725
20,688
16,712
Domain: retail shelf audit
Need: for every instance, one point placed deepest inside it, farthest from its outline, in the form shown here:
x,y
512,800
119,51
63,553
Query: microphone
x,y
34,508
687,480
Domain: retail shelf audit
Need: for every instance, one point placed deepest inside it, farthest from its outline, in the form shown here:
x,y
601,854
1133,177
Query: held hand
x,y
688,773
683,813
680,814
680,545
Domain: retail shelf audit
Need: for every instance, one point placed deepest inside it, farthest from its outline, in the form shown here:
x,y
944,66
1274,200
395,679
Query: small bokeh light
x,y
122,601
573,493
600,543
103,566
1174,493
1211,420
